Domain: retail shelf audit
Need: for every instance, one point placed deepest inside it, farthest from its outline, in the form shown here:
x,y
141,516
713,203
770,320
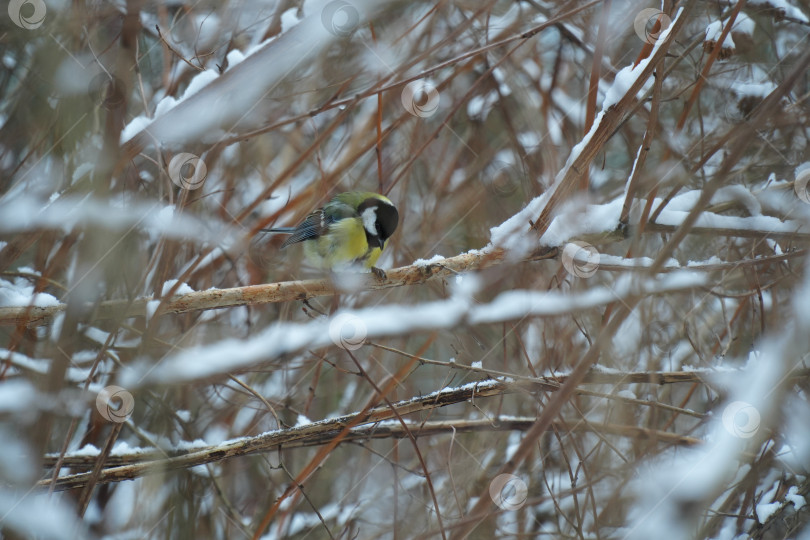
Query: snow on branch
x,y
211,113
601,219
618,102
27,213
347,328
376,423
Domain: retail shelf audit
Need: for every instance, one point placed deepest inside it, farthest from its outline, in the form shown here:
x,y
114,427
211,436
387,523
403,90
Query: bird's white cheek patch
x,y
369,216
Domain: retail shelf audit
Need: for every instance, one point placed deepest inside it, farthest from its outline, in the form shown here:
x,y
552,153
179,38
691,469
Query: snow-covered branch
x,y
380,422
348,328
561,230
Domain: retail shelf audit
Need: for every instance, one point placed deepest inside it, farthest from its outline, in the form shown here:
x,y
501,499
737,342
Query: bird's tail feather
x,y
285,230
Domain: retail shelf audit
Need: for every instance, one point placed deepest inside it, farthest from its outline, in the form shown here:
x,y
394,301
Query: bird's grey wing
x,y
317,223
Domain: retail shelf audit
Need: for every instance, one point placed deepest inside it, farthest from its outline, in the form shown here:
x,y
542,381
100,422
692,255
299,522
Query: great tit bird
x,y
349,231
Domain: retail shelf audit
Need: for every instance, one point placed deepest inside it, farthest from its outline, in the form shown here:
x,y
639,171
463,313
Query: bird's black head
x,y
380,219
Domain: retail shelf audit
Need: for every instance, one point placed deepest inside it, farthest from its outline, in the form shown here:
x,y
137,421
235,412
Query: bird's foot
x,y
379,273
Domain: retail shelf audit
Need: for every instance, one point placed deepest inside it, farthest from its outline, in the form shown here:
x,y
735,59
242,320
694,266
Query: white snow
x,y
751,403
573,221
196,444
790,10
135,126
427,262
235,57
16,395
37,515
200,81
626,394
164,105
28,212
621,84
20,293
710,220
743,24
210,114
715,30
392,320
792,496
86,450
182,289
151,308
479,107
765,510
634,262
529,140
512,233
81,170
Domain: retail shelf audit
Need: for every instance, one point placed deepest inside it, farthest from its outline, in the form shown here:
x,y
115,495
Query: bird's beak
x,y
381,242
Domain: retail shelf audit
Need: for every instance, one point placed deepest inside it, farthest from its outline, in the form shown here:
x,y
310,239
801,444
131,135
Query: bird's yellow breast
x,y
344,246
